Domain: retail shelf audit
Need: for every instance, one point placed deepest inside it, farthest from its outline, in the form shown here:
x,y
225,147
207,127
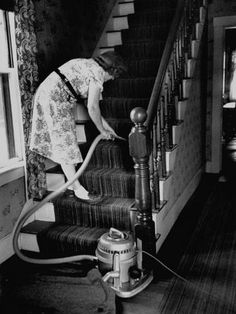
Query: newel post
x,y
139,148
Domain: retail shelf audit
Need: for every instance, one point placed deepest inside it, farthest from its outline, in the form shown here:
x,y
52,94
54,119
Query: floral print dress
x,y
53,132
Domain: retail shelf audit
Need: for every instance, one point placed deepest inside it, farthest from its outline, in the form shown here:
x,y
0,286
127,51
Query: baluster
x,y
162,137
151,167
156,187
139,147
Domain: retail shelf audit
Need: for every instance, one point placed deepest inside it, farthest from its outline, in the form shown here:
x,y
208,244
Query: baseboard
x,y
165,221
6,248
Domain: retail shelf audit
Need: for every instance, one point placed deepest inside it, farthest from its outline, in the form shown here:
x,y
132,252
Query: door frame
x,y
219,26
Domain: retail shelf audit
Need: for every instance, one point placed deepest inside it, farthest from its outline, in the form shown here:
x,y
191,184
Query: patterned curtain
x,y
28,78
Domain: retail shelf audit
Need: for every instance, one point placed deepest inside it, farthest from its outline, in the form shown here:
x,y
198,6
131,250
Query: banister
x,y
152,106
152,134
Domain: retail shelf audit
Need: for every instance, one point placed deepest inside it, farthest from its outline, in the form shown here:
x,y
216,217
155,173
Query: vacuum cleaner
x,y
117,258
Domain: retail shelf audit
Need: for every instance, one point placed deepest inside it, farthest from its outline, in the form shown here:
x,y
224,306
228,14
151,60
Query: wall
x,y
12,198
216,8
68,29
188,161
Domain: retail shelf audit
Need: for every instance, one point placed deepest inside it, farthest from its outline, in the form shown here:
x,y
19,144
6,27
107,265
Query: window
x,y
11,135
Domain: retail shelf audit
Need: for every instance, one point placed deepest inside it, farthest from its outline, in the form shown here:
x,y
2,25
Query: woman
x,y
53,132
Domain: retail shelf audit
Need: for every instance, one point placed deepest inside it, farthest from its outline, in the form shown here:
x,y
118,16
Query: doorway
x,y
220,25
229,105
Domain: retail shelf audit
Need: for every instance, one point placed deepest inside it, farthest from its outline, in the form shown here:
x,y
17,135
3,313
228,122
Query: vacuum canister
x,y
116,251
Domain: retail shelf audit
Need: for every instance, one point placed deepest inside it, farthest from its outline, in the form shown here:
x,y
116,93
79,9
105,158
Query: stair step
x,y
121,107
170,159
195,48
110,211
152,17
28,235
177,132
151,5
141,50
141,33
186,87
45,213
118,23
111,39
73,240
191,63
126,87
109,182
124,8
110,154
54,181
181,109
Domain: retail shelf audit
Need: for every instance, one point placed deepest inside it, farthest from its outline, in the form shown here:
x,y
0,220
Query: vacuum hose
x,y
48,198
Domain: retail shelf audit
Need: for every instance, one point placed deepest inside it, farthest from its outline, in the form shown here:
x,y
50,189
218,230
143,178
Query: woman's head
x,y
112,63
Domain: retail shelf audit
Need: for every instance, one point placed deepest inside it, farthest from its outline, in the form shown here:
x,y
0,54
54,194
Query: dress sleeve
x,y
97,75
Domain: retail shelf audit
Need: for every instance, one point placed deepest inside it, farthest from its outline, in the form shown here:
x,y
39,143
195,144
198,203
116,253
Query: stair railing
x,y
151,135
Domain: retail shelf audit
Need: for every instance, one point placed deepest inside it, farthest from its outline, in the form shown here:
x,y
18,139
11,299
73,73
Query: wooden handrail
x,y
152,106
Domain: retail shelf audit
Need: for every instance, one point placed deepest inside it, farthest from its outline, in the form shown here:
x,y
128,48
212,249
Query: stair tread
x,y
36,226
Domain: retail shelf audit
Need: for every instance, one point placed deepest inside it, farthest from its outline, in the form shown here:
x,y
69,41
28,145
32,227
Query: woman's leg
x,y
80,191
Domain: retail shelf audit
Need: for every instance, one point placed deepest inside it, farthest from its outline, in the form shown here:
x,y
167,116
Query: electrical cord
x,y
214,296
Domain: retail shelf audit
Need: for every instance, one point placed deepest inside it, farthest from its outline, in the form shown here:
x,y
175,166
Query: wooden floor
x,y
201,247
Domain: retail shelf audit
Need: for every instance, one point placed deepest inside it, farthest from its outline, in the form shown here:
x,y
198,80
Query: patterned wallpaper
x,y
189,153
12,196
68,29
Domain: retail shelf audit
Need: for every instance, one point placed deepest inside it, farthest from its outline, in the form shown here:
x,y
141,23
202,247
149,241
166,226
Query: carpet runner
x,y
110,172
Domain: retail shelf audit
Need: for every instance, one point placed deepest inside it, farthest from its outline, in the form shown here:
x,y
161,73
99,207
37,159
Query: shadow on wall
x,y
67,30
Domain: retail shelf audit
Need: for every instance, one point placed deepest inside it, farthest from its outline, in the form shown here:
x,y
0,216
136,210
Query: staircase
x,y
67,226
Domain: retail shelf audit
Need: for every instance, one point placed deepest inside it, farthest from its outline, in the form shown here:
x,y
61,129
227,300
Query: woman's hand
x,y
108,135
108,128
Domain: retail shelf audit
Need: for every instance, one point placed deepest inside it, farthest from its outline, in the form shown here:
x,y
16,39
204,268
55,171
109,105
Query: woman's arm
x,y
108,127
94,110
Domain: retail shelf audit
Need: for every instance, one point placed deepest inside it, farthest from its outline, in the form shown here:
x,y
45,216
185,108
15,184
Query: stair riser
x,y
191,67
104,183
45,213
181,109
202,14
170,160
199,30
111,39
186,88
54,181
118,23
110,156
124,9
71,212
177,131
195,48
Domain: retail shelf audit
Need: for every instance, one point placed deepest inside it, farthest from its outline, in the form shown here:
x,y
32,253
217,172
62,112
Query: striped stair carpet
x,y
110,172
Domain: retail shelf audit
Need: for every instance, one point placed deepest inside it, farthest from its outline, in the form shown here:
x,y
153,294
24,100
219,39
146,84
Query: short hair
x,y
110,60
